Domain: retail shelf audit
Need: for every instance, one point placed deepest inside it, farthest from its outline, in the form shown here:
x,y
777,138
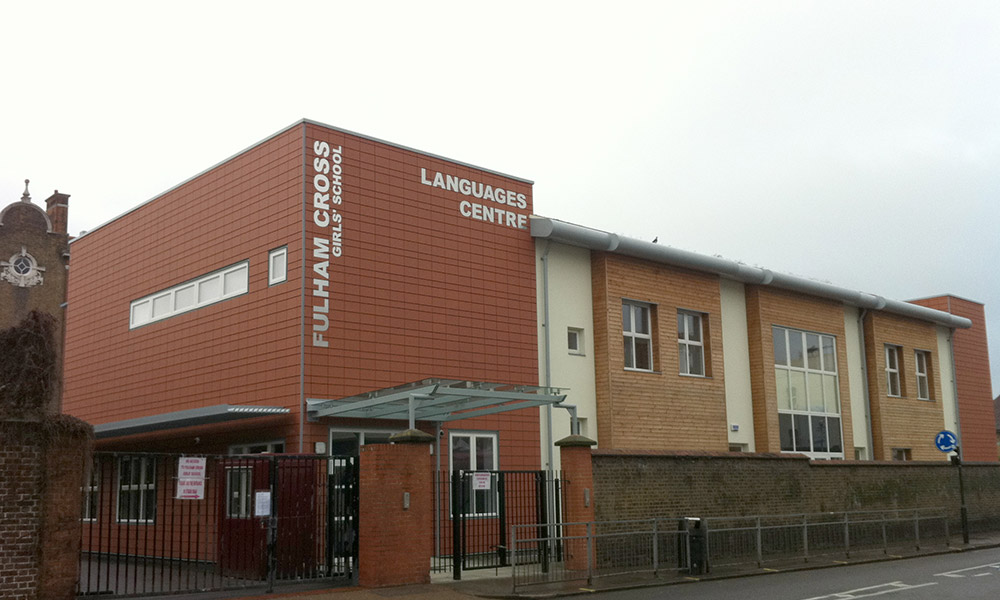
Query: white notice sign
x,y
481,481
191,478
262,504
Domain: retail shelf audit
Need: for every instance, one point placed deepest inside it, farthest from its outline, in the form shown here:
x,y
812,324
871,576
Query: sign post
x,y
946,441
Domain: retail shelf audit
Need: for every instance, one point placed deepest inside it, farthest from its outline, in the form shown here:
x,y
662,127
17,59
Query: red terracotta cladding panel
x,y
972,375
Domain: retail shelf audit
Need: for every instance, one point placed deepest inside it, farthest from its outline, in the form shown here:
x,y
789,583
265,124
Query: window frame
x,y
139,488
902,454
494,436
142,310
924,375
631,335
685,344
272,279
270,444
246,492
822,369
893,374
576,332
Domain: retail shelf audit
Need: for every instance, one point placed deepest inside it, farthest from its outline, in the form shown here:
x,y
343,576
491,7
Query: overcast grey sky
x,y
850,142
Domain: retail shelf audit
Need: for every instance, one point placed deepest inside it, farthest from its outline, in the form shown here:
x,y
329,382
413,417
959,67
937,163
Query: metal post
x,y
760,549
847,535
916,527
590,556
805,537
272,526
456,525
961,491
656,549
708,563
947,534
885,537
502,520
513,558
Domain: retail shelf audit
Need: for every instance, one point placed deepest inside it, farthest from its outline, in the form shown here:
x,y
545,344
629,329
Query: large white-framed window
x,y
923,362
691,343
892,370
92,493
471,452
637,331
208,289
136,489
806,381
277,265
272,447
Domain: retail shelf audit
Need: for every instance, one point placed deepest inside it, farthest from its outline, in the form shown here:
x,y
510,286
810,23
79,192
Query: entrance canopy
x,y
437,400
185,418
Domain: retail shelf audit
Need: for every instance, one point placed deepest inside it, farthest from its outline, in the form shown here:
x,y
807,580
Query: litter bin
x,y
694,542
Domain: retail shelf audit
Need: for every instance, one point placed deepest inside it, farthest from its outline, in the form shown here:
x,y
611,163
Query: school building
x,y
322,290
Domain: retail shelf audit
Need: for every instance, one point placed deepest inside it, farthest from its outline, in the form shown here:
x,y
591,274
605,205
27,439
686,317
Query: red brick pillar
x,y
396,524
578,483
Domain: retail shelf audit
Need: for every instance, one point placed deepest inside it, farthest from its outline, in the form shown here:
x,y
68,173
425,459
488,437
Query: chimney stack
x,y
57,206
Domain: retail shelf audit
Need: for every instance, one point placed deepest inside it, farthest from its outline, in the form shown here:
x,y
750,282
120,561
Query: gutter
x,y
593,239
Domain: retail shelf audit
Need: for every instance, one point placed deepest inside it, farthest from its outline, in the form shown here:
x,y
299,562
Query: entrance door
x,y
242,535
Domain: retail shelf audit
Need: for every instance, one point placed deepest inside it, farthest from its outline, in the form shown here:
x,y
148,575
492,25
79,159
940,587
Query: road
x,y
966,576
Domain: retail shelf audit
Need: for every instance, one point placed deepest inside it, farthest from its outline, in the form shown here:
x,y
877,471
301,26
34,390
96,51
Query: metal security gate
x,y
476,510
166,523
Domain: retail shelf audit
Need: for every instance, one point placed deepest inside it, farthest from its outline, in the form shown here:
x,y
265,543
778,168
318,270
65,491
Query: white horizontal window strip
x,y
190,295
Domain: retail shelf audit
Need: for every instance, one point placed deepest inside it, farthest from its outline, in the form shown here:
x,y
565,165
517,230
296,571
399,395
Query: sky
x,y
852,142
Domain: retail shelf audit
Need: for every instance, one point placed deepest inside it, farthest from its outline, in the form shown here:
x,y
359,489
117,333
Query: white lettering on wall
x,y
500,215
327,196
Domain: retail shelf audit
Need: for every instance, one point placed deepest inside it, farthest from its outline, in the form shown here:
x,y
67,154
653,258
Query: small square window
x,y
277,265
902,454
574,340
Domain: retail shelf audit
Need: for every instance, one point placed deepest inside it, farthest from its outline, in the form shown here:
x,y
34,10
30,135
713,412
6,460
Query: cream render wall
x,y
736,363
949,403
570,304
859,400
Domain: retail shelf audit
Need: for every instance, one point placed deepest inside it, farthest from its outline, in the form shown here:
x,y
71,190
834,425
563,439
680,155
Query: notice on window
x,y
262,504
191,478
481,481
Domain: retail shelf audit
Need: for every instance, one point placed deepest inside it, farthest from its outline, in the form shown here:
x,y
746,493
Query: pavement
x,y
496,583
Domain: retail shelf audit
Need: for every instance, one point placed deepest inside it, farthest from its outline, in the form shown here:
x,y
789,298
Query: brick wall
x,y
972,374
660,409
767,307
904,421
41,472
640,485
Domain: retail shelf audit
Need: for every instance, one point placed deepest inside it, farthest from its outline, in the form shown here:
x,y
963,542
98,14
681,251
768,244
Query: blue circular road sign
x,y
946,441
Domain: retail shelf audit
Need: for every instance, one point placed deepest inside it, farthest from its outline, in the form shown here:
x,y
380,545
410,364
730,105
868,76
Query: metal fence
x,y
165,523
476,510
664,546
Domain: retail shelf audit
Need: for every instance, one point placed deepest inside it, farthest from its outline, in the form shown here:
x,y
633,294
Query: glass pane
x,y
801,432
626,317
210,290
696,360
795,350
236,281
785,428
571,342
819,434
829,355
141,313
784,395
681,326
922,387
642,319
890,357
278,266
184,298
830,403
682,356
833,425
149,471
893,378
461,459
344,444
780,348
816,392
149,505
643,356
124,472
812,350
484,454
629,353
370,438
161,305
694,328
797,389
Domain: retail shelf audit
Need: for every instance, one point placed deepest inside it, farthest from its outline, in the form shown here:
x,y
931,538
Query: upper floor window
x,y
691,343
207,289
277,265
892,379
806,383
574,340
638,337
923,360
